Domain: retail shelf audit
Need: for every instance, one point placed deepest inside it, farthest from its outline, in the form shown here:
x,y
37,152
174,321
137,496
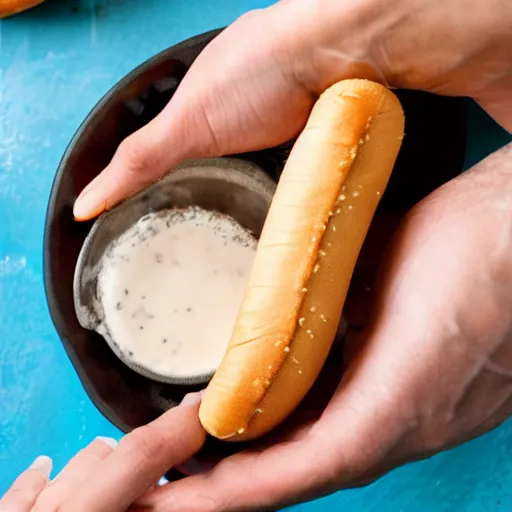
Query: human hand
x,y
432,369
106,477
254,85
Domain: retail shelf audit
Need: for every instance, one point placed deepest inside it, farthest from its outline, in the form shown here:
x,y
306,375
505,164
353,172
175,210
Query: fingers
x,y
341,449
141,458
247,481
183,130
24,491
76,471
140,160
234,98
321,461
86,460
285,474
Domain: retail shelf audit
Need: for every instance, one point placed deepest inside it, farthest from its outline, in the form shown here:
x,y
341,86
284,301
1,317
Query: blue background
x,y
56,61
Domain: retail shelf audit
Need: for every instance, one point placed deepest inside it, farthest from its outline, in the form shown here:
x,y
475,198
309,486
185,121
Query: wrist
x,y
453,47
329,40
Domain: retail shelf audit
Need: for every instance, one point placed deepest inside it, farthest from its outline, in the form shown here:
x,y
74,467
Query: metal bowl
x,y
227,186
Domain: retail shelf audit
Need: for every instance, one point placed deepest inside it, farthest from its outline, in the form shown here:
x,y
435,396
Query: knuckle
x,y
144,442
24,490
432,442
134,155
14,495
249,16
99,449
355,463
47,502
360,465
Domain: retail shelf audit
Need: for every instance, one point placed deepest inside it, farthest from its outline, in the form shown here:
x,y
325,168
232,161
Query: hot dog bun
x,y
9,7
316,225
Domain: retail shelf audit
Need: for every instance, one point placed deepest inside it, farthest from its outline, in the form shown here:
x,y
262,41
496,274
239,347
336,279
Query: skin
x,y
108,477
432,369
432,365
261,84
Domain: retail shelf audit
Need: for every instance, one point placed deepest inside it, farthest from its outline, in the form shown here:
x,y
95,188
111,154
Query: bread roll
x,y
316,225
9,7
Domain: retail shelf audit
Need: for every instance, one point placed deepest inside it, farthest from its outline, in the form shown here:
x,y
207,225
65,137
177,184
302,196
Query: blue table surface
x,y
56,61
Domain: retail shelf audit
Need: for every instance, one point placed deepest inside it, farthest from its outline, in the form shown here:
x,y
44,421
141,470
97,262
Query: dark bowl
x,y
432,153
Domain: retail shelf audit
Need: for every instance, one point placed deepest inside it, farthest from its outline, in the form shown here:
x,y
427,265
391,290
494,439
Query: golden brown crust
x,y
323,206
10,7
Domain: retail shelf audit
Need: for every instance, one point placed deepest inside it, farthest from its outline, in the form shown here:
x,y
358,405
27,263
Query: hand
x,y
254,85
432,369
106,477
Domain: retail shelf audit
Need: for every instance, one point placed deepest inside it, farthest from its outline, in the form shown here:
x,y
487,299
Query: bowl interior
x,y
432,153
228,186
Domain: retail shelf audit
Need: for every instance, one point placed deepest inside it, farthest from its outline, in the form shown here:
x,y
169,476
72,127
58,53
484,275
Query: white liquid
x,y
171,287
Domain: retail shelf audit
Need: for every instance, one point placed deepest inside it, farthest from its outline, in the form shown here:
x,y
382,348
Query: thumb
x,y
140,160
241,94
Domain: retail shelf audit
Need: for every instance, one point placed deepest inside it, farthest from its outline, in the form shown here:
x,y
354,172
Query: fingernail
x,y
109,441
43,464
192,398
88,204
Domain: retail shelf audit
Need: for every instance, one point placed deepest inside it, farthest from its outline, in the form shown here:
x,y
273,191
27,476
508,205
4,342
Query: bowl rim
x,y
53,307
239,170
